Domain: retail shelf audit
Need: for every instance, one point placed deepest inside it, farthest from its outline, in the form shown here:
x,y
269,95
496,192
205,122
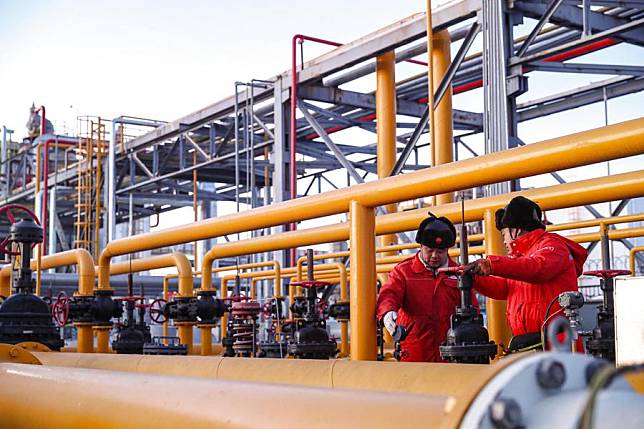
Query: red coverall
x,y
540,267
424,300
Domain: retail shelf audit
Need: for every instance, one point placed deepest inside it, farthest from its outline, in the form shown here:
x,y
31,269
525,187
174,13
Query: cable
x,y
543,328
602,380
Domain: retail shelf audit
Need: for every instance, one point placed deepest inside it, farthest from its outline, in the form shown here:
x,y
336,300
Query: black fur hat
x,y
437,233
520,213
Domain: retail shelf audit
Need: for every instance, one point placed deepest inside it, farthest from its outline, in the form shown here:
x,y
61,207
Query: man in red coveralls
x,y
420,298
539,267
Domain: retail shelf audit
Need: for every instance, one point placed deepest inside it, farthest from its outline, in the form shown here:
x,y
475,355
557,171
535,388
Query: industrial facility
x,y
421,227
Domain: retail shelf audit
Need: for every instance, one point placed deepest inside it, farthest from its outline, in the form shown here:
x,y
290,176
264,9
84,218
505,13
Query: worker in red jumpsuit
x,y
540,265
420,298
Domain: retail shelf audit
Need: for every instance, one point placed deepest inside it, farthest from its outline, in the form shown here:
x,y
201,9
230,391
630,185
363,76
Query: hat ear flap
x,y
498,219
421,228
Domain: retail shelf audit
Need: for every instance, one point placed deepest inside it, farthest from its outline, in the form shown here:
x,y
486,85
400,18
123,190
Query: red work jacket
x,y
540,267
424,300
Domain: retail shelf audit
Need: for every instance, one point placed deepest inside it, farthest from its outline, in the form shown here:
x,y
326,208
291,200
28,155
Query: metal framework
x,y
237,149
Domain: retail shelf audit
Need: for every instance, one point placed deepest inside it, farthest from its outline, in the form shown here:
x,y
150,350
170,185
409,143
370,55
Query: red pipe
x,y
43,214
573,53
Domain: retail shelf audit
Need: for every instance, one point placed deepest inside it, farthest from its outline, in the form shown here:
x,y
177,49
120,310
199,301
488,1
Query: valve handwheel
x,y
157,310
607,274
307,284
60,309
6,210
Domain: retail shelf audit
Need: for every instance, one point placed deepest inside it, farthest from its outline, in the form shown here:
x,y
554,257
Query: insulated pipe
x,y
611,142
631,258
41,396
443,141
386,125
497,325
79,257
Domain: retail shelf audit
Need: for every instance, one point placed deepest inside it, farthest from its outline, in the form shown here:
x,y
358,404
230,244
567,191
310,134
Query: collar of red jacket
x,y
418,267
522,244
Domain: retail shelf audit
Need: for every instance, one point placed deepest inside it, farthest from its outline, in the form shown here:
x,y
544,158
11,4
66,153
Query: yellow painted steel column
x,y
386,124
185,334
363,282
497,324
85,337
443,148
206,339
633,251
102,338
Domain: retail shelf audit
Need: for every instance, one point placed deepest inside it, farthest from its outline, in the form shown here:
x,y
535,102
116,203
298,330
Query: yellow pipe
x,y
615,187
102,338
185,334
277,292
496,310
85,337
174,259
613,234
363,282
443,139
386,124
610,142
36,396
206,339
596,222
631,258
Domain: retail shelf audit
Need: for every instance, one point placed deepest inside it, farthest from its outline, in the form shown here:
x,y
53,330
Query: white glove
x,y
390,321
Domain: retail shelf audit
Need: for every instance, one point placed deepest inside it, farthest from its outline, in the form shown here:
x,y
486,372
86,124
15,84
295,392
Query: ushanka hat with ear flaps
x,y
521,213
437,233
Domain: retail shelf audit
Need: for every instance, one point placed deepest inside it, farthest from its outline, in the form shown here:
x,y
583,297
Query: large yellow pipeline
x,y
40,396
613,234
79,257
631,258
588,147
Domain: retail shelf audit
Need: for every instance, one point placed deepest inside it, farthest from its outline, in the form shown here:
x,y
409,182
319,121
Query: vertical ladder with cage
x,y
88,186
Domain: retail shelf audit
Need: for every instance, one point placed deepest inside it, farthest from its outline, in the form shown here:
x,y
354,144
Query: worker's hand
x,y
390,321
480,267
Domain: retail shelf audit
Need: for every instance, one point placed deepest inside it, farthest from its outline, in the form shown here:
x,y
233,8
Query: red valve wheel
x,y
607,274
307,284
7,211
157,310
60,309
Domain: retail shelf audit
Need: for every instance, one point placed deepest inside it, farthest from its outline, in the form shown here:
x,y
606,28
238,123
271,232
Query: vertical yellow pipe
x,y
206,339
344,324
430,79
497,324
363,282
633,251
224,319
185,334
443,139
85,338
102,339
165,297
386,125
